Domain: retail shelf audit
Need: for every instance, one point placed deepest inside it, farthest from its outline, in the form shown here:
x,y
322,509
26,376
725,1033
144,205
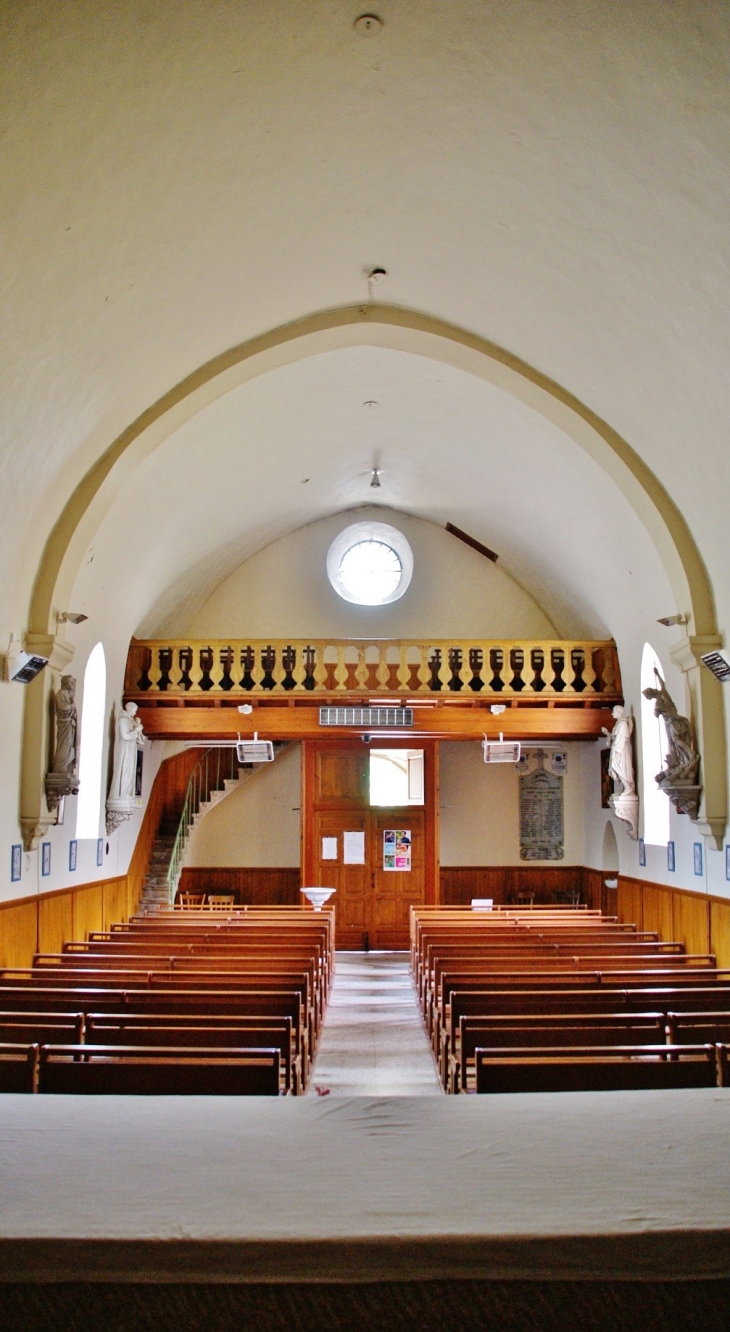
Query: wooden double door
x,y
374,896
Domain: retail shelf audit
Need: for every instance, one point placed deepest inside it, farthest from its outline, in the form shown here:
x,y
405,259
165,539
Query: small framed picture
x,y
697,852
100,851
72,853
670,857
46,859
727,861
16,862
642,851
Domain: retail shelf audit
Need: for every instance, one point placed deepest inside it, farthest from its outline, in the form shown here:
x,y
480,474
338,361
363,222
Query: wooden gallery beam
x,y
201,723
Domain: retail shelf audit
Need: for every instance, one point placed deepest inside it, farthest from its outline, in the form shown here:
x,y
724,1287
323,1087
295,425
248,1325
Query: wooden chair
x,y
190,899
221,901
113,1070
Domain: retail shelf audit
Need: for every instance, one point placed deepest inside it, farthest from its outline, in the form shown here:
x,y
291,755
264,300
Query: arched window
x,y
653,745
92,745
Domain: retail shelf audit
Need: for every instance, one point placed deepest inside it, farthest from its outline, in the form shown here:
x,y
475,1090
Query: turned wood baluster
x,y
156,670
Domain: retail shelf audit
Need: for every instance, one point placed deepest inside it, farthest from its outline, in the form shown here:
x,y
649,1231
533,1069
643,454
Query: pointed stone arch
x,y
406,330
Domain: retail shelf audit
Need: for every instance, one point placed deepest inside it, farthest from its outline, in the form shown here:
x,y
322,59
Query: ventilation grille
x,y
366,716
719,664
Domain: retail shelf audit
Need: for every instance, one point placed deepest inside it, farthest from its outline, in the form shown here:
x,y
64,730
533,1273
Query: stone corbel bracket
x,y
35,816
707,711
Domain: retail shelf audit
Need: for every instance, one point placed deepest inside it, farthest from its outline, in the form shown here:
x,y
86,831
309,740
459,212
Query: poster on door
x,y
397,849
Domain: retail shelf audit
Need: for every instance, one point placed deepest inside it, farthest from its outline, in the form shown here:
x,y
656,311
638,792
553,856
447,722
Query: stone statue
x,y
681,764
625,801
621,761
62,778
123,799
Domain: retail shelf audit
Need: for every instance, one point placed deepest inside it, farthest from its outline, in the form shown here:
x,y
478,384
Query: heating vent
x,y
719,664
255,751
366,716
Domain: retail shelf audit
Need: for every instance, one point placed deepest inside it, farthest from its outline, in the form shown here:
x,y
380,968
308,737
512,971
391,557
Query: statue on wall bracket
x,y
62,778
624,801
678,777
124,800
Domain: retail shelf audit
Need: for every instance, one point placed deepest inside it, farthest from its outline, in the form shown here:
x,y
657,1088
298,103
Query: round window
x,y
370,564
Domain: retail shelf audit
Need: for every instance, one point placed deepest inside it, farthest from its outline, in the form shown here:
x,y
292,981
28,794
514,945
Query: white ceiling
x,y
299,443
553,176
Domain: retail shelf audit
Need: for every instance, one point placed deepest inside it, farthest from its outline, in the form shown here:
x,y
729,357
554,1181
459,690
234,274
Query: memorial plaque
x,y
541,816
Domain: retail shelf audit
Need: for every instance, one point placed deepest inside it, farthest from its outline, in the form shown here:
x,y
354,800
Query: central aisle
x,y
373,1042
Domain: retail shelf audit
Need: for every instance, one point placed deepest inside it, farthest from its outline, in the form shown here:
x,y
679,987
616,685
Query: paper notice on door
x,y
329,848
397,849
353,849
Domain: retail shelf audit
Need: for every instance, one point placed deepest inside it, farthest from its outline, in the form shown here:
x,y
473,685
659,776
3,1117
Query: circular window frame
x,y
369,531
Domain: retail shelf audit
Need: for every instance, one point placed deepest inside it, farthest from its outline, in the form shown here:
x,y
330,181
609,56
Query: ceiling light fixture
x,y
669,620
71,617
375,482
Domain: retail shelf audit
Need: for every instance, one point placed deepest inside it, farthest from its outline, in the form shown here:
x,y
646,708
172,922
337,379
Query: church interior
x,y
364,849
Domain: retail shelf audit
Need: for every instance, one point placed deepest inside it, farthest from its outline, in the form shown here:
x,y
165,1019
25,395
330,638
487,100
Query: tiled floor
x,y
373,1042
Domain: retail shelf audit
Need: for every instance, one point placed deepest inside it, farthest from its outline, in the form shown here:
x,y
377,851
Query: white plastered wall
x,y
257,825
284,591
479,808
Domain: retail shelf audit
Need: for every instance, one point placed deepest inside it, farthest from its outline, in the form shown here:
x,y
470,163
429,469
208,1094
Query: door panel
x,y
395,891
341,777
352,882
371,903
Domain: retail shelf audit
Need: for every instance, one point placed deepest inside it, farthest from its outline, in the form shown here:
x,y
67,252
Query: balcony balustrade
x,y
556,671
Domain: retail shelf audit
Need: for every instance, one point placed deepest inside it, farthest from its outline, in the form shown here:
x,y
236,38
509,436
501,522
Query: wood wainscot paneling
x,y
503,883
628,901
55,921
700,922
720,930
250,886
88,905
657,912
18,932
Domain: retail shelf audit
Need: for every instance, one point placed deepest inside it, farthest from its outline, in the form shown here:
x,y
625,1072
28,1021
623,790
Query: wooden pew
x,y
41,1028
212,1033
158,1004
554,1029
490,1004
156,1071
617,1068
18,1067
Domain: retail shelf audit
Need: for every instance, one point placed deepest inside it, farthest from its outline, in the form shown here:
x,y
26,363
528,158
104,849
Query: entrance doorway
x,y
380,857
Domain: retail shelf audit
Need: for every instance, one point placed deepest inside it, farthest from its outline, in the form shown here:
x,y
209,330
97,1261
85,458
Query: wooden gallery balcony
x,y
552,688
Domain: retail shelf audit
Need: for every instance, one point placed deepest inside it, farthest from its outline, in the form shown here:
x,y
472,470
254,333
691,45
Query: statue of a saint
x,y
682,760
129,736
64,754
621,760
624,801
62,778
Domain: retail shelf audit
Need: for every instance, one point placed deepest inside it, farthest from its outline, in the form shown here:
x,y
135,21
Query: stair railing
x,y
213,769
